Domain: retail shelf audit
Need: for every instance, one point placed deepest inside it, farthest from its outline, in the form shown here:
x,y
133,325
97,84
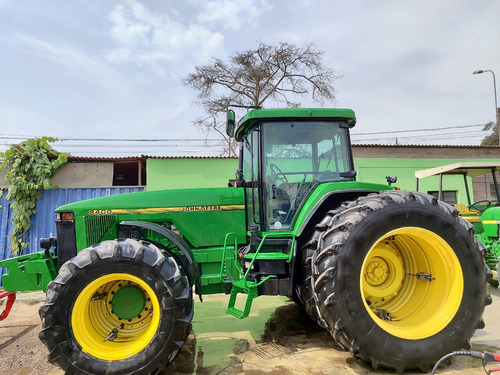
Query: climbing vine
x,y
30,165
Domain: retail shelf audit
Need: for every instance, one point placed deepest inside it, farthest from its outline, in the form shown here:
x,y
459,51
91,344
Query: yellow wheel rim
x,y
100,331
411,283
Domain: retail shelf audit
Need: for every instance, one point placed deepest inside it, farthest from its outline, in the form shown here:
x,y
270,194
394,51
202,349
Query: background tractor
x,y
396,277
483,214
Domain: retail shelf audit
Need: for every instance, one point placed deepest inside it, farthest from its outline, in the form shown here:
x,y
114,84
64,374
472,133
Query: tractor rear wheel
x,y
120,307
304,291
399,280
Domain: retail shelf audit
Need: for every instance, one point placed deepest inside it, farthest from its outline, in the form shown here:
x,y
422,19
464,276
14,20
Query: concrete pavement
x,y
279,338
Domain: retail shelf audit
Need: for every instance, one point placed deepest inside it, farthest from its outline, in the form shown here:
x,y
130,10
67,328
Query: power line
x,y
19,136
188,146
469,134
423,130
12,136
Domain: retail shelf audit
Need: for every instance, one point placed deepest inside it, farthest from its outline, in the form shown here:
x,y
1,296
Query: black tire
x,y
494,283
87,301
304,290
398,279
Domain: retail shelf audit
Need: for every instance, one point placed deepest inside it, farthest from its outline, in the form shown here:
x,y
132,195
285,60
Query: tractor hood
x,y
179,200
202,216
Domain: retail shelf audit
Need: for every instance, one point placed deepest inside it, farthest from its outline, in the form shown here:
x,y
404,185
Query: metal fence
x,y
43,223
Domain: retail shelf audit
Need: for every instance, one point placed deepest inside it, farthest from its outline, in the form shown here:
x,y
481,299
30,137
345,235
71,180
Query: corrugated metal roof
x,y
423,146
190,157
76,159
82,159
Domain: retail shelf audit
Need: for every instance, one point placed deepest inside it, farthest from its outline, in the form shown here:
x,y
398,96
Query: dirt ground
x,y
21,351
278,339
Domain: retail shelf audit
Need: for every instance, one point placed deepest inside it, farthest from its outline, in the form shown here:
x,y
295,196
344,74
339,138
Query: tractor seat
x,y
470,216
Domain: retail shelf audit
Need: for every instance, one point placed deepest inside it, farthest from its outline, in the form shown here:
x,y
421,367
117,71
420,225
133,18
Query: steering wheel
x,y
277,174
473,206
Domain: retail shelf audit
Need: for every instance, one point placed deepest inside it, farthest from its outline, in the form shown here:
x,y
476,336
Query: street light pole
x,y
497,110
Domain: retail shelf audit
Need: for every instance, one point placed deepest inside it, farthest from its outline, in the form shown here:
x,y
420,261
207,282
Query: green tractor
x,y
396,277
483,214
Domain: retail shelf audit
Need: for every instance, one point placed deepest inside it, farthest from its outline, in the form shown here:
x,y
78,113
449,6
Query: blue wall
x,y
43,223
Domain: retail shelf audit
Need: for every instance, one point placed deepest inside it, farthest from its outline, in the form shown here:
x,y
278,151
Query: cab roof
x,y
251,118
470,169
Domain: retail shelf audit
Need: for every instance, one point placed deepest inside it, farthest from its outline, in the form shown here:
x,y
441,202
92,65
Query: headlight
x,y
65,216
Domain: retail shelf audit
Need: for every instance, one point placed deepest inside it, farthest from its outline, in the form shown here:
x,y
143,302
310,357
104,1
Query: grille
x,y
97,226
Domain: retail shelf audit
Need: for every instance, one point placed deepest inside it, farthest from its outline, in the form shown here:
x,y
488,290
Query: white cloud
x,y
131,32
231,13
158,41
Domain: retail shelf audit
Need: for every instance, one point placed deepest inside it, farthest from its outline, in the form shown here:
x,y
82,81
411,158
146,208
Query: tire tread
x,y
320,257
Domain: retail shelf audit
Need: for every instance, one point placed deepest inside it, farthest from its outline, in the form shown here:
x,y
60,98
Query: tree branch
x,y
256,76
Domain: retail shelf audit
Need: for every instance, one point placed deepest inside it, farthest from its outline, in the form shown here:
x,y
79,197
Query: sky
x,y
85,71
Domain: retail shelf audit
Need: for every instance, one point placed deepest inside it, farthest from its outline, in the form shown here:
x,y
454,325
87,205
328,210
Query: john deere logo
x,y
200,208
158,210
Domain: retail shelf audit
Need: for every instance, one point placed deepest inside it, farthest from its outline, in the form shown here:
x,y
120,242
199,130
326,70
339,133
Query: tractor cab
x,y
285,155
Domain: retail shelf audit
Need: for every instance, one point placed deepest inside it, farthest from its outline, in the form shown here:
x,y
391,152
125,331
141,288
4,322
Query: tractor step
x,y
11,297
269,263
267,256
243,286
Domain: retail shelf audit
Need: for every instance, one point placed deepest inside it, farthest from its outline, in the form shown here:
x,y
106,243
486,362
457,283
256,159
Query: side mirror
x,y
239,178
230,123
391,180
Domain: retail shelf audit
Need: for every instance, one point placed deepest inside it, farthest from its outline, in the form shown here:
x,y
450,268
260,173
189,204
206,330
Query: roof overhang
x,y
470,169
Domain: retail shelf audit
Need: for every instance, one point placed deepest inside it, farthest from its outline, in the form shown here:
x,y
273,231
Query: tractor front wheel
x,y
120,307
398,279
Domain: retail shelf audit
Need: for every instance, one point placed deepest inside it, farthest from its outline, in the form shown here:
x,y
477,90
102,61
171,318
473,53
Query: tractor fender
x,y
329,200
186,259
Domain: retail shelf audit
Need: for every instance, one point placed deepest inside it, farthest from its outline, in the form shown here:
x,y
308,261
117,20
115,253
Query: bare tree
x,y
268,74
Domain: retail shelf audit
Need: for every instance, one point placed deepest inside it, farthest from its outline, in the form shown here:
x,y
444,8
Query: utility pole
x,y
497,110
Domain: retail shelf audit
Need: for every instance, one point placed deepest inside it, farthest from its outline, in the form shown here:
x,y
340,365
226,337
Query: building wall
x,y
373,163
182,173
425,152
3,183
77,175
484,187
375,170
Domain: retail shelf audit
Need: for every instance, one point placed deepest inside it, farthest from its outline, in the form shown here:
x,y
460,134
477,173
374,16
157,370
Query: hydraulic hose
x,y
485,356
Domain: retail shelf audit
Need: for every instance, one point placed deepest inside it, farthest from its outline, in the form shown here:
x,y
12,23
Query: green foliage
x,y
30,165
492,138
